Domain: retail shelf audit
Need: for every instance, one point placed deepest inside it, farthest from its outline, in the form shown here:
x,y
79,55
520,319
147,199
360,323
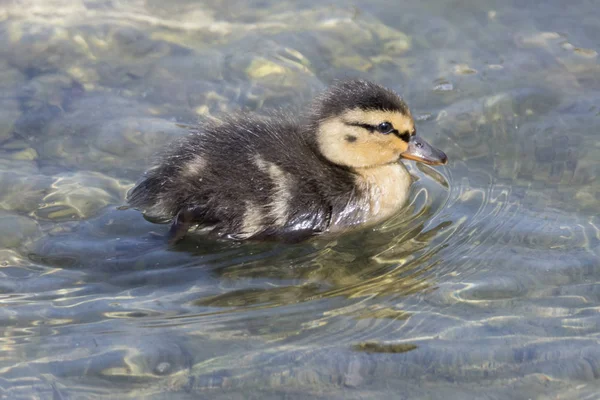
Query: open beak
x,y
421,151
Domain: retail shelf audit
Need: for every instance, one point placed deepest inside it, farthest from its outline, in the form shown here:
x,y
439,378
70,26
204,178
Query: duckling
x,y
288,177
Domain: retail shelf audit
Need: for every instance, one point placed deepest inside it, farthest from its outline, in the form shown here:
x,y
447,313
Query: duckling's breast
x,y
381,192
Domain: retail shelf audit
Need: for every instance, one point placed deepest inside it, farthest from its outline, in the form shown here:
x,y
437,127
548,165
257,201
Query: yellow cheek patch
x,y
355,146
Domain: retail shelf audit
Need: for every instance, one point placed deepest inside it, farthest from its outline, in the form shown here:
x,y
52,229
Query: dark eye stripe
x,y
372,128
404,136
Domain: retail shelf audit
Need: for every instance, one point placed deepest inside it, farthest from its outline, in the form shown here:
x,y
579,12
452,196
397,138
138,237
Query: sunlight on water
x,y
486,282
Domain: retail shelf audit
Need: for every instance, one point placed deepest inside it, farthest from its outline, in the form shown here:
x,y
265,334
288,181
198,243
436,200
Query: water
x,y
486,285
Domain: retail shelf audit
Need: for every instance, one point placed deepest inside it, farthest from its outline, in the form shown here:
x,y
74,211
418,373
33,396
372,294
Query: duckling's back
x,y
246,178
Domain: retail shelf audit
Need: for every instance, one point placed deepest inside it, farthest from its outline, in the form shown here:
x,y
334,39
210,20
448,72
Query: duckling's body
x,y
277,177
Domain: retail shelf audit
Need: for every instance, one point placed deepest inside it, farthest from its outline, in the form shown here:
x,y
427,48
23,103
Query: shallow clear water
x,y
486,286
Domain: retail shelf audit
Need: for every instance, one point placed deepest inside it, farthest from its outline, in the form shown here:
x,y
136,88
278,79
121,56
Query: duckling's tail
x,y
145,196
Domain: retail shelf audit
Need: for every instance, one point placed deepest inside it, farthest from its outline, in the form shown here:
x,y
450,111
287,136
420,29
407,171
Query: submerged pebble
x,y
374,347
9,115
16,229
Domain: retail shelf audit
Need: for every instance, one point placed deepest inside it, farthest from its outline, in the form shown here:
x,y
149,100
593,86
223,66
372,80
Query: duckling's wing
x,y
304,225
301,227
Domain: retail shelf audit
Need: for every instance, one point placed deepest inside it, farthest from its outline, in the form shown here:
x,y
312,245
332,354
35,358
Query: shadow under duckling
x,y
289,177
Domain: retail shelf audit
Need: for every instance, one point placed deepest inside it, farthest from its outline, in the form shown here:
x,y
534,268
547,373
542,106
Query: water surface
x,y
486,285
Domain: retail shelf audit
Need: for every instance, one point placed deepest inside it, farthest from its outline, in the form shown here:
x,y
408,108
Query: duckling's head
x,y
360,124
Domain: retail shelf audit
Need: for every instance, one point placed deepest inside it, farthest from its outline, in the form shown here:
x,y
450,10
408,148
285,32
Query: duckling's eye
x,y
385,128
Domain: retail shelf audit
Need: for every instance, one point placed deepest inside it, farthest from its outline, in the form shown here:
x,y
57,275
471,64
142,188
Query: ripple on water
x,y
78,195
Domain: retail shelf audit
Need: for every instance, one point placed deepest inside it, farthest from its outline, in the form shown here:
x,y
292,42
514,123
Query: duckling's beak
x,y
421,151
